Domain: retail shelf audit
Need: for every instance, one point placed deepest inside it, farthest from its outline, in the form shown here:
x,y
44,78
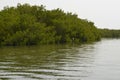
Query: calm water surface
x,y
97,61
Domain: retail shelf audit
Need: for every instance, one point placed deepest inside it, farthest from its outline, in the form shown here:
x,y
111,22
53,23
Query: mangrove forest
x,y
35,25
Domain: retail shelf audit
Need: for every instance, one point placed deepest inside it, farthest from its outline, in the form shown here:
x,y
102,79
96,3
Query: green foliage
x,y
34,25
109,33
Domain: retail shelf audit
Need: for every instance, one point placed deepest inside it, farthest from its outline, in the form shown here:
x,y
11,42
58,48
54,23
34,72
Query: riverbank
x,y
34,25
26,25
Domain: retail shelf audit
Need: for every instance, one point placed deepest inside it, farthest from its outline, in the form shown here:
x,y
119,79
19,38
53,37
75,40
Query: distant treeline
x,y
109,33
34,25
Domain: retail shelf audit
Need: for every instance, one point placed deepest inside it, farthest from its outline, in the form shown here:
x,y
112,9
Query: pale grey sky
x,y
104,13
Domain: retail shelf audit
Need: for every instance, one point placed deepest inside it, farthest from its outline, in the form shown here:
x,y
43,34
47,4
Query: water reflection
x,y
46,62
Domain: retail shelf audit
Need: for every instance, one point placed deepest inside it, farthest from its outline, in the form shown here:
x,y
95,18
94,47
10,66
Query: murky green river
x,y
96,61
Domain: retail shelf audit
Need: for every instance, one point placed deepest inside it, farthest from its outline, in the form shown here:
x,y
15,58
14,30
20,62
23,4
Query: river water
x,y
96,61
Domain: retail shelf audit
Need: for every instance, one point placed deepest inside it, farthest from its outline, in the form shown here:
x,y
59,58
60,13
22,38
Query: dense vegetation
x,y
109,33
34,25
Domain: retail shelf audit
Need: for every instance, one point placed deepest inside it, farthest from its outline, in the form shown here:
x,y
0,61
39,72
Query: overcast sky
x,y
104,13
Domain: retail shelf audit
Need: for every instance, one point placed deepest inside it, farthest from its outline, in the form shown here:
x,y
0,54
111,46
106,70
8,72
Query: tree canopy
x,y
109,33
35,25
